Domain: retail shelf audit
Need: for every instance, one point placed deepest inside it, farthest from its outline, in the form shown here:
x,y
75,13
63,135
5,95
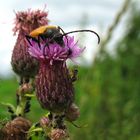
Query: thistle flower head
x,y
54,85
26,20
16,129
23,64
59,134
55,52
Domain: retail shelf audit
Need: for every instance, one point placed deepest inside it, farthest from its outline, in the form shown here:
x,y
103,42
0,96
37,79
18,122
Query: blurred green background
x,y
107,92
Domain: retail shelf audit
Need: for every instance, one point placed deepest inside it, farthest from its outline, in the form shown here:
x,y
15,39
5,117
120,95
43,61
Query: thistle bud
x,y
59,134
45,122
25,88
72,113
16,129
22,63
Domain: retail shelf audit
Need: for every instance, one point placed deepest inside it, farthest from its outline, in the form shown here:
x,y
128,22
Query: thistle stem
x,y
21,106
24,94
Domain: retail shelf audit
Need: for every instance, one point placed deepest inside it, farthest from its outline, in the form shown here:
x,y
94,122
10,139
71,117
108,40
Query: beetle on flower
x,y
54,85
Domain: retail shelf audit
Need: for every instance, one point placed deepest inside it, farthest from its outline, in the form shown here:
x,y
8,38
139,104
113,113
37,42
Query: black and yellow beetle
x,y
52,34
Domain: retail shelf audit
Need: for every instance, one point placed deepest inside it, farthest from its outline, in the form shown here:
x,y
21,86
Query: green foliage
x,y
8,95
111,91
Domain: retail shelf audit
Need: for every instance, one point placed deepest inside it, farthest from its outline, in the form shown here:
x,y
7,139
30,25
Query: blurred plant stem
x,y
21,106
24,94
104,107
112,27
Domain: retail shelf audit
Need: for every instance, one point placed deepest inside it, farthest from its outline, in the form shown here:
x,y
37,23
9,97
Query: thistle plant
x,y
22,63
54,84
26,67
43,58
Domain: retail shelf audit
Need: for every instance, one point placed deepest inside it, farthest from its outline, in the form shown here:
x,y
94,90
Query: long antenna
x,y
83,31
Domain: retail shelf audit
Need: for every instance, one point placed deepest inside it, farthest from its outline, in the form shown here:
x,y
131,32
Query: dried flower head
x,y
16,129
24,64
28,20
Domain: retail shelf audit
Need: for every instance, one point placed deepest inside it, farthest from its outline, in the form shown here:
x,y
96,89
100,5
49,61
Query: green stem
x,y
25,93
21,106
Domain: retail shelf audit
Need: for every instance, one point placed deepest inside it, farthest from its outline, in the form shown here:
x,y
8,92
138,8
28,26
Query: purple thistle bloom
x,y
54,85
54,52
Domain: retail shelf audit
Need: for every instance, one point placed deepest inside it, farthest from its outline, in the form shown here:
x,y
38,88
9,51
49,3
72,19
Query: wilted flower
x,y
54,85
23,64
28,20
16,129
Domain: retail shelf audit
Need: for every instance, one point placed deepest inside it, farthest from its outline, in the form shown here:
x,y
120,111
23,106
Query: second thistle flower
x,y
22,63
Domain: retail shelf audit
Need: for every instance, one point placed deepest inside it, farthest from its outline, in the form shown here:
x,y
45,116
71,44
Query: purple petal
x,y
54,51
